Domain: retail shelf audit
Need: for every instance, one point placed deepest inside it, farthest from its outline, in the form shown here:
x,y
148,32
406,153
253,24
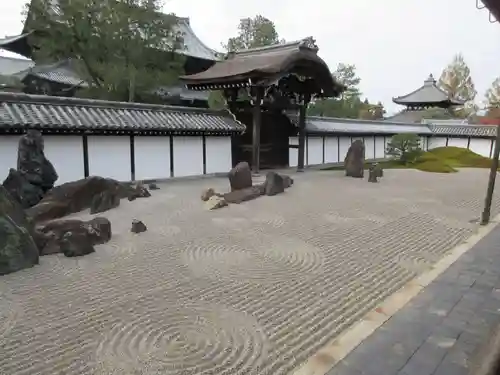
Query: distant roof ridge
x,y
305,43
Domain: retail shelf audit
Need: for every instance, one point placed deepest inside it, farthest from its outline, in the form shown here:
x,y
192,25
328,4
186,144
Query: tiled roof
x,y
23,111
417,116
59,72
429,93
266,63
193,46
353,126
464,130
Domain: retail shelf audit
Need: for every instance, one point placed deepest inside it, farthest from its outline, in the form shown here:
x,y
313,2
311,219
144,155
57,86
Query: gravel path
x,y
255,288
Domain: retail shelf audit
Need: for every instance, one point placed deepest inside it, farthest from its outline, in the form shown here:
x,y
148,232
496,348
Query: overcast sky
x,y
394,44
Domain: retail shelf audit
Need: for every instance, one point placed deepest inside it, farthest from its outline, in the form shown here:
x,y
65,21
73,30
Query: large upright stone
x,y
354,161
240,177
32,162
17,247
35,174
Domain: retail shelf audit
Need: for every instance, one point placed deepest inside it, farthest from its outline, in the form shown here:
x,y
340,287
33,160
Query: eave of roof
x,y
429,94
21,111
494,7
265,65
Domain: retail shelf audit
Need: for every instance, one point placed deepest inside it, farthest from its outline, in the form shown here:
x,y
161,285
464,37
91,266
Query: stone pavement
x,y
252,289
443,328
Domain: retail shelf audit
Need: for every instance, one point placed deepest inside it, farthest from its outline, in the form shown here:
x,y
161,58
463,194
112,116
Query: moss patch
x,y
438,160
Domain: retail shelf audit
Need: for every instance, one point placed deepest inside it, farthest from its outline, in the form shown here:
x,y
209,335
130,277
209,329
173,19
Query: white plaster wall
x,y
435,142
480,146
152,157
369,147
458,142
345,143
314,150
379,147
293,153
109,156
8,154
423,143
331,150
188,156
65,152
219,154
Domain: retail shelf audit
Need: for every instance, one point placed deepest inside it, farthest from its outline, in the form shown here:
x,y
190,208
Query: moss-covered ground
x,y
438,160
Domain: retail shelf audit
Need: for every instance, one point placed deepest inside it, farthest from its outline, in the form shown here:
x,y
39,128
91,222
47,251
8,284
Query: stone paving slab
x,y
256,288
443,328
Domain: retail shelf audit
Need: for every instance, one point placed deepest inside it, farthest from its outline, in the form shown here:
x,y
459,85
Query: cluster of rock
x,y
242,188
31,209
354,163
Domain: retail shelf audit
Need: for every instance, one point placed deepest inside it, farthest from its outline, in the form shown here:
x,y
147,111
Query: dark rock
x,y
18,249
372,176
379,171
104,201
75,196
20,188
274,184
355,159
240,177
207,194
76,245
287,181
35,174
153,186
96,231
138,192
243,195
138,226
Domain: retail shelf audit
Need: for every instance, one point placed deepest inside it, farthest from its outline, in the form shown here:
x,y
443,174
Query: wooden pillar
x,y
485,216
302,135
257,97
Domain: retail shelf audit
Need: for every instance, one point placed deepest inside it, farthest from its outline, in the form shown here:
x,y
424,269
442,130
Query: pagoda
x,y
59,79
428,96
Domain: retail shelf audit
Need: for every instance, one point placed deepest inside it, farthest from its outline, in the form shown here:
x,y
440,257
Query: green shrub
x,y
404,147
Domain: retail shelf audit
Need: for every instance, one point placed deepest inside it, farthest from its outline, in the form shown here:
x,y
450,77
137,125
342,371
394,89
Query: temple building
x,y
275,79
418,102
60,79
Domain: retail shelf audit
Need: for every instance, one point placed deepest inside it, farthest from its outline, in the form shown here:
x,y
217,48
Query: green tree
x,y
254,32
122,47
493,97
370,111
404,147
349,104
456,80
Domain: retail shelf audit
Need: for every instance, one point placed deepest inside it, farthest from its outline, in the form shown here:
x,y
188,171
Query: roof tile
x,y
20,110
